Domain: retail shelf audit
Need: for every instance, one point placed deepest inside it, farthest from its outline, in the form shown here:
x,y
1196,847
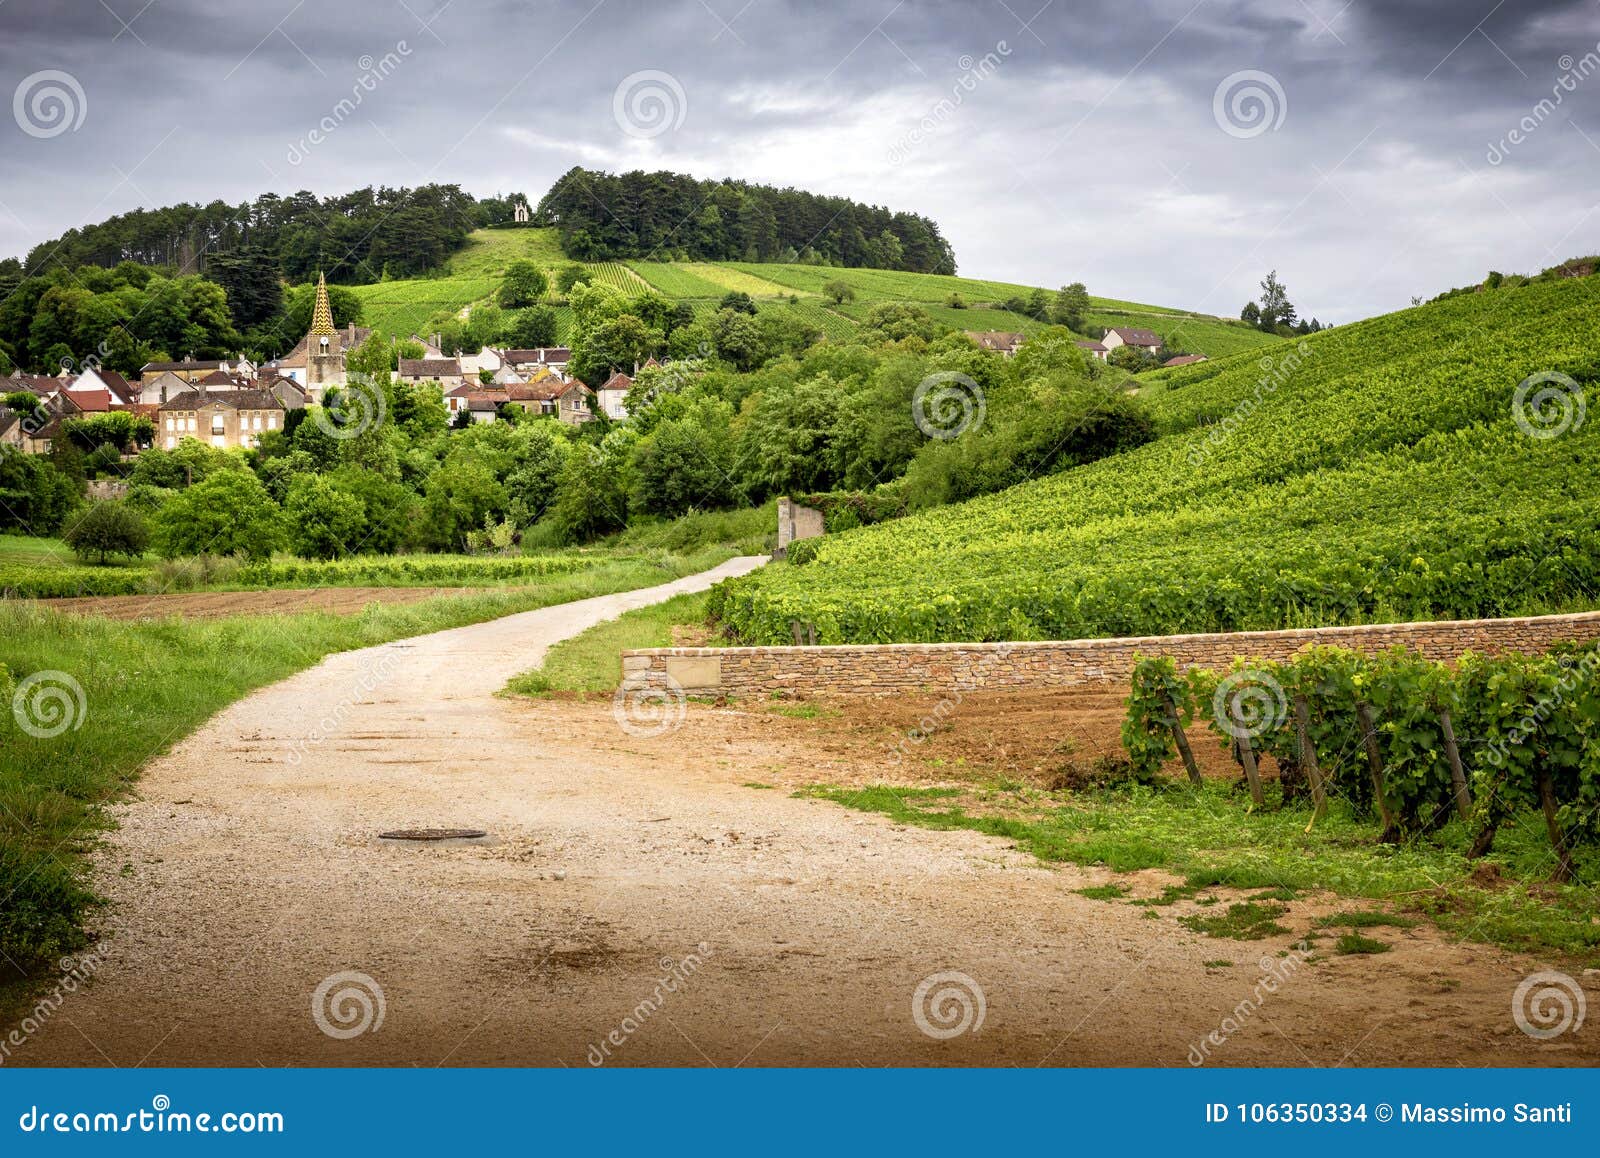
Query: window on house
x,y
272,421
216,424
192,425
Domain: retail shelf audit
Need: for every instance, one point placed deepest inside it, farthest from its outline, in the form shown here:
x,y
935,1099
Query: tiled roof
x,y
430,368
1136,337
237,399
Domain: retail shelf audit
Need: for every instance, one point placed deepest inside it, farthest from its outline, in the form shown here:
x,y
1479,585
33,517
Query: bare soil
x,y
643,900
220,604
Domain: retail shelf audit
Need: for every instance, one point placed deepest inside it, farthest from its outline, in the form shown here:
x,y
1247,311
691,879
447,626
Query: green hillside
x,y
406,307
1368,473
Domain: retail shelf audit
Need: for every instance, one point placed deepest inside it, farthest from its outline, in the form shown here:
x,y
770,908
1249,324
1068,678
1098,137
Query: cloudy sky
x,y
1165,152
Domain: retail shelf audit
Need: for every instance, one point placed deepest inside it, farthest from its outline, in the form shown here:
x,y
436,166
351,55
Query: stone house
x,y
1145,340
1000,341
445,371
228,420
569,402
612,397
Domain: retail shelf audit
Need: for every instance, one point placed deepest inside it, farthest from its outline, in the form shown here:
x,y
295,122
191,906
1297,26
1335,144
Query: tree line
x,y
604,216
355,238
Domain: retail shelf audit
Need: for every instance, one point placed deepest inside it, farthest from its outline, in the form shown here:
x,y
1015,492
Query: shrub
x,y
325,522
106,530
230,513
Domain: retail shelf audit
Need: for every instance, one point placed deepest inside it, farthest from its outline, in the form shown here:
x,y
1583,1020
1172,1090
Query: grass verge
x,y
135,688
591,661
1208,839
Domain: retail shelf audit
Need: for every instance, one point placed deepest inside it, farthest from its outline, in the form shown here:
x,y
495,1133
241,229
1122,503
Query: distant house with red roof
x,y
1146,340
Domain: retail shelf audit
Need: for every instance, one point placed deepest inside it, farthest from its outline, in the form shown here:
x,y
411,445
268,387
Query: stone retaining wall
x,y
888,669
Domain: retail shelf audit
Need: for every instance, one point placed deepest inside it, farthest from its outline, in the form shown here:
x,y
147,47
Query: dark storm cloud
x,y
1053,141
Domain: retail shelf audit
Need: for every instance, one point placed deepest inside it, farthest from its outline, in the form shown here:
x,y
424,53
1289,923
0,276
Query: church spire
x,y
322,313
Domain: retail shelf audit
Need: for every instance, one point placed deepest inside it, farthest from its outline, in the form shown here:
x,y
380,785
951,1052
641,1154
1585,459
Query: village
x,y
229,403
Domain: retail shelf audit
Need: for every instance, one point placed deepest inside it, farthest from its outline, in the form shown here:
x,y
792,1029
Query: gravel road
x,y
642,900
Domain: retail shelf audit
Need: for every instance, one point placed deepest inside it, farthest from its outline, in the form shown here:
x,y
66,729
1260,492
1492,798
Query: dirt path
x,y
643,903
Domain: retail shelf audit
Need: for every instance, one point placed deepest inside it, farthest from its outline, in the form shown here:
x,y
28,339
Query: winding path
x,y
642,903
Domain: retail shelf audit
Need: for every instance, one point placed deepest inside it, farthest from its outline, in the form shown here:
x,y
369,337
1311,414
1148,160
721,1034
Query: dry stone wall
x,y
889,669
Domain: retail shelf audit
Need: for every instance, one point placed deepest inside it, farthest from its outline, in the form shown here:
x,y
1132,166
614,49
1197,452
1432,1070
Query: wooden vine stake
x,y
1308,760
1558,839
1182,741
1247,757
1458,775
1369,738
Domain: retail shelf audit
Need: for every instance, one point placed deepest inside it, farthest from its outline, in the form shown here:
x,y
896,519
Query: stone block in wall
x,y
695,673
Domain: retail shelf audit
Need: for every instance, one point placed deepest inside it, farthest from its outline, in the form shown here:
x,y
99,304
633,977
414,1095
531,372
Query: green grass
x,y
1104,892
1356,943
1209,841
29,551
148,684
591,661
1364,920
1244,921
749,531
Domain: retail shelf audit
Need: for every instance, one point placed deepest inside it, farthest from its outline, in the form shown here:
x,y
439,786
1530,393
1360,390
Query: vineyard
x,y
1386,470
405,307
1412,744
63,578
